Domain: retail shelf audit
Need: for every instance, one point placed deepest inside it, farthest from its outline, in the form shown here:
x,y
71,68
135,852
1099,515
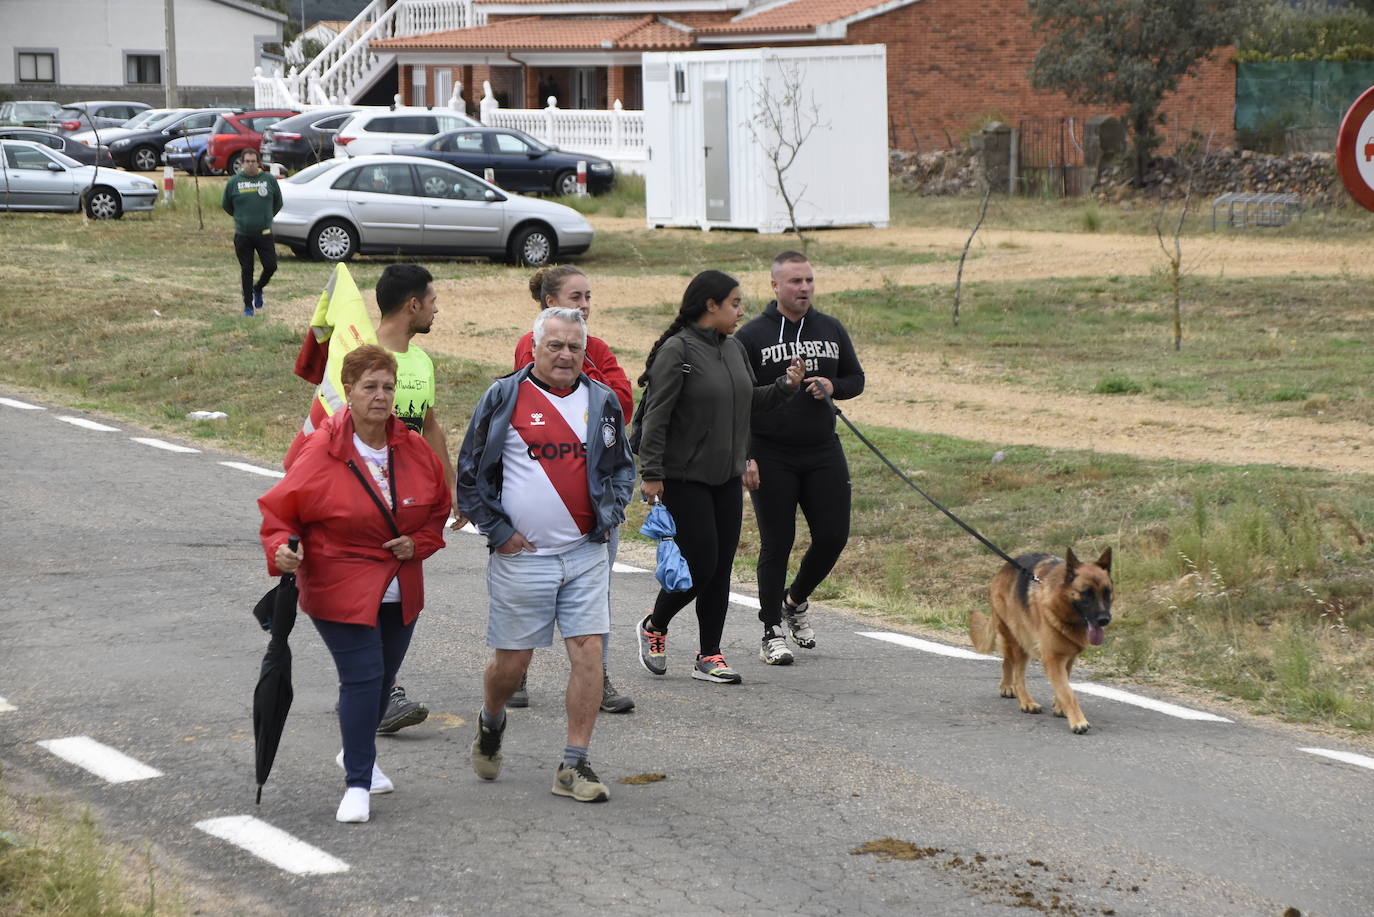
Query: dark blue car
x,y
188,155
518,161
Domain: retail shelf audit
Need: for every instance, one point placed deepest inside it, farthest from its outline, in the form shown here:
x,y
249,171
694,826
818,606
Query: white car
x,y
406,204
385,130
34,177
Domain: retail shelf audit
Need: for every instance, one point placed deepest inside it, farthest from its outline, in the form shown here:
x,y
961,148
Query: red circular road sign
x,y
1355,150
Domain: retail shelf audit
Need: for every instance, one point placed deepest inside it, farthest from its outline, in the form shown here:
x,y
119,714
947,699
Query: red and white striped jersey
x,y
544,468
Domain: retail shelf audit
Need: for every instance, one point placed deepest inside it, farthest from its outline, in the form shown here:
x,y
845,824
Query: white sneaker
x,y
774,650
355,806
381,783
799,622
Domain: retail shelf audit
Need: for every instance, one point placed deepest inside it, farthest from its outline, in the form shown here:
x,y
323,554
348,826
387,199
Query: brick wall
x,y
952,64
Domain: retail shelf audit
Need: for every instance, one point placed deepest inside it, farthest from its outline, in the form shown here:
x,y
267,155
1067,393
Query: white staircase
x,y
349,66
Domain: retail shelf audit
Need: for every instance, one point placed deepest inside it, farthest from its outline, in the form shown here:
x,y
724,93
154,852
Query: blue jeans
x,y
368,659
532,592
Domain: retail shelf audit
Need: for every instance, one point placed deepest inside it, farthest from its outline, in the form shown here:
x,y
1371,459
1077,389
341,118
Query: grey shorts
x,y
530,593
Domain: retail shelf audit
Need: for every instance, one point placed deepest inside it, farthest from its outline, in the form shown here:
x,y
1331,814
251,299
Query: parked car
x,y
519,162
384,203
86,155
239,131
188,155
82,116
153,117
308,138
141,148
35,177
27,114
383,130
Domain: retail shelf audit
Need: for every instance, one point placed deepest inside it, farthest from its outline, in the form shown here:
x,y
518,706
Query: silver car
x,y
34,177
405,204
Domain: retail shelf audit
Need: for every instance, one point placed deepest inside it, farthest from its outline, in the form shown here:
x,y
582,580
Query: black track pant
x,y
817,480
708,523
266,249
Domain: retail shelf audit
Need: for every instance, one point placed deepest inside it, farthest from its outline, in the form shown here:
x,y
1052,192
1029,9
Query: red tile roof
x,y
796,16
643,33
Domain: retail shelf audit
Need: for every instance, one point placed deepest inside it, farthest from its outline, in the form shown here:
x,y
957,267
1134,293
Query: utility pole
x,y
170,77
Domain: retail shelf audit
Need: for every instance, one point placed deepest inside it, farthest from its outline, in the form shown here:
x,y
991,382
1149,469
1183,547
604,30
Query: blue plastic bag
x,y
672,572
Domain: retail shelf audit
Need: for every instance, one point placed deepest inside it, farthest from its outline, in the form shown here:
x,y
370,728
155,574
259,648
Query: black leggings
x,y
817,480
708,522
266,249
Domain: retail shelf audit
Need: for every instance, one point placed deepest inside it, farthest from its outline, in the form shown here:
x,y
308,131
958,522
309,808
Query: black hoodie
x,y
771,340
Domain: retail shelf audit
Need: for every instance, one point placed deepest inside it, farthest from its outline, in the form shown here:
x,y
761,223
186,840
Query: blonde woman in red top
x,y
564,286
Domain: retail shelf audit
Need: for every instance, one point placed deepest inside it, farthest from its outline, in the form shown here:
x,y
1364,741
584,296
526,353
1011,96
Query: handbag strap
x,y
372,492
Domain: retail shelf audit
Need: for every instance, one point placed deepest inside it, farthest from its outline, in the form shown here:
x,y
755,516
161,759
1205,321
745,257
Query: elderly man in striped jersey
x,y
545,473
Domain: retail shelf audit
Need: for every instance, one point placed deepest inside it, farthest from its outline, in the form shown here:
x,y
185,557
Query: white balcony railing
x,y
616,134
348,65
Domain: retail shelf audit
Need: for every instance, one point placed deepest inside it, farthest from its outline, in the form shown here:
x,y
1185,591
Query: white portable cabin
x,y
707,168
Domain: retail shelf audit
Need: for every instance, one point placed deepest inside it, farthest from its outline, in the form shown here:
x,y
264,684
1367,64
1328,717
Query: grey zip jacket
x,y
610,469
695,423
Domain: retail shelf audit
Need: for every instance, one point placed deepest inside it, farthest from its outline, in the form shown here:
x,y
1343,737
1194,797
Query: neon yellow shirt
x,y
414,387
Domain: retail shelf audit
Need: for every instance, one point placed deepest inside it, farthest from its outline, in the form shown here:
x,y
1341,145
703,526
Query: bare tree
x,y
1173,250
959,275
783,120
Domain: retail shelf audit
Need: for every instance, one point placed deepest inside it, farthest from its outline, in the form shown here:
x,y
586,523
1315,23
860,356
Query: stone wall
x,y
1312,175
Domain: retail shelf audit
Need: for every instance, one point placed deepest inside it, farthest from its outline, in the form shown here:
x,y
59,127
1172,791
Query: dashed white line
x,y
88,424
926,646
162,444
254,469
1149,703
6,706
618,567
1346,757
102,760
748,601
273,845
21,405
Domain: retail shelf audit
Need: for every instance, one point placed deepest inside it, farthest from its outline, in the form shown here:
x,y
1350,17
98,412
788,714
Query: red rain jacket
x,y
346,569
598,362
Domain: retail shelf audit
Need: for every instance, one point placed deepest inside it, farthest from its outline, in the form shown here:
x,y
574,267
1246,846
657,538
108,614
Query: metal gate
x,y
1050,160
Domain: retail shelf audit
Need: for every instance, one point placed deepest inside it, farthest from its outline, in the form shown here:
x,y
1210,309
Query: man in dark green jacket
x,y
252,198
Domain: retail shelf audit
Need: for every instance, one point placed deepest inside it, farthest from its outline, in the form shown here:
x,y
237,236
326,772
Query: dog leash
x,y
933,502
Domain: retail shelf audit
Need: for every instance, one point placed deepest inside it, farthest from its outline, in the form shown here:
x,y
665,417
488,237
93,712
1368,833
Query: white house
x,y
67,50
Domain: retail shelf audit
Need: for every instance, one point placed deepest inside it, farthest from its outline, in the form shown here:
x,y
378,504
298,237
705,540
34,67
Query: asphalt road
x,y
130,572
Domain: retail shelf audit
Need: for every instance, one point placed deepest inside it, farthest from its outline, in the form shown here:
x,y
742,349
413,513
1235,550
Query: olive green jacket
x,y
695,416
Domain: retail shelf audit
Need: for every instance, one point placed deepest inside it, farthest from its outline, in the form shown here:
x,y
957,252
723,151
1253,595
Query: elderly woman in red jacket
x,y
367,497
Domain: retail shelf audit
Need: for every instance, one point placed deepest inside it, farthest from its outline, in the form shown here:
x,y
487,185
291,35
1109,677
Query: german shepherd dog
x,y
1060,615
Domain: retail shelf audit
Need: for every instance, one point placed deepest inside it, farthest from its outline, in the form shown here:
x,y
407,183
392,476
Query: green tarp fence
x,y
1299,95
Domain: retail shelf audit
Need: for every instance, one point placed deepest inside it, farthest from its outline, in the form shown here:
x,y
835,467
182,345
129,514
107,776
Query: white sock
x,y
354,808
381,783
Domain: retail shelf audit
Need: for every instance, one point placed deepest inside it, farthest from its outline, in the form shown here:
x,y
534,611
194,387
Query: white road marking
x,y
748,601
101,760
161,444
1149,703
1116,694
6,706
21,405
254,469
927,646
1346,757
88,424
626,568
273,845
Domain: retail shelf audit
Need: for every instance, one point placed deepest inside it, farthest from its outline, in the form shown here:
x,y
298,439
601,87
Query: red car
x,y
232,134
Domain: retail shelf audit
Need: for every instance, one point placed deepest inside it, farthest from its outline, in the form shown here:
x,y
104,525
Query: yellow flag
x,y
340,323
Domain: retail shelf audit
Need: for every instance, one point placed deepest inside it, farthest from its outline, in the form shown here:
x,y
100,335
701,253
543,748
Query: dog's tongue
x,y
1095,635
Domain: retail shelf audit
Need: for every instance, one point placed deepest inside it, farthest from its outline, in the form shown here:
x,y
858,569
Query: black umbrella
x,y
272,697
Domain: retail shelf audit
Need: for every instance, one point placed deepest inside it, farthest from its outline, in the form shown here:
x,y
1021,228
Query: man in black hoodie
x,y
795,457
